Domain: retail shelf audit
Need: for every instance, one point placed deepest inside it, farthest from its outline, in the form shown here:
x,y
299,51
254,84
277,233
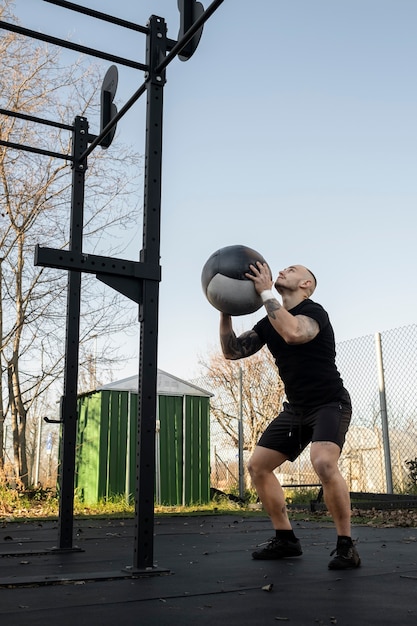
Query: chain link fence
x,y
380,372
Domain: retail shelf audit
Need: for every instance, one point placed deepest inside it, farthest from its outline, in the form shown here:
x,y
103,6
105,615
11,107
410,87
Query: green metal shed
x,y
107,434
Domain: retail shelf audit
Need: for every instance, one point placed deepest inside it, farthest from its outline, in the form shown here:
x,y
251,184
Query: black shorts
x,y
295,428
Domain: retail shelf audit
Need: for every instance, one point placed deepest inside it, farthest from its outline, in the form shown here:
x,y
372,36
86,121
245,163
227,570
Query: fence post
x,y
384,416
240,437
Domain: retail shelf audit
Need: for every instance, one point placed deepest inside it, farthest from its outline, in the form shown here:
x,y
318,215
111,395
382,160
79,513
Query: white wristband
x,y
267,295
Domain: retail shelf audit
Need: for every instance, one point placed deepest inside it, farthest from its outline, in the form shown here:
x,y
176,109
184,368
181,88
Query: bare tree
x,y
253,384
35,208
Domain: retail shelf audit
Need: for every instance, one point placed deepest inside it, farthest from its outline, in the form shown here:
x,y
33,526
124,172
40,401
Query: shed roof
x,y
167,385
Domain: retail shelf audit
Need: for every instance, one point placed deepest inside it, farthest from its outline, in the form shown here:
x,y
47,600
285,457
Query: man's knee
x,y
325,458
324,468
255,467
264,461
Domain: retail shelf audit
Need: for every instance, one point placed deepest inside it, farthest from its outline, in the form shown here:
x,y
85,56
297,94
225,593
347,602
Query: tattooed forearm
x,y
271,306
239,347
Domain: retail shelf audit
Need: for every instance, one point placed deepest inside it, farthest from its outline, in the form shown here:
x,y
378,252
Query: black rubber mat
x,y
204,574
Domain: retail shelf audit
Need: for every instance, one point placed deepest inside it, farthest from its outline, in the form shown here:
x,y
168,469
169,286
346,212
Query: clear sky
x,y
292,130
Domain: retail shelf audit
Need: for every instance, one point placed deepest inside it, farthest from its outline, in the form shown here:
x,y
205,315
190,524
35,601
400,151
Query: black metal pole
x,y
148,311
69,402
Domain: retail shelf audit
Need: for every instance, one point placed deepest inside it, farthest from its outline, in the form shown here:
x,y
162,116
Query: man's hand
x,y
261,277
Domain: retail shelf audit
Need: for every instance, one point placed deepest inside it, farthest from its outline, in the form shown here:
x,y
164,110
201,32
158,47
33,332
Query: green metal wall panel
x,y
170,471
197,450
88,448
104,443
204,467
117,443
133,431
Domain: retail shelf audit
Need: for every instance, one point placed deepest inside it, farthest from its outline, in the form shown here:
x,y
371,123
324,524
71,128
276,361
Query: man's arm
x,y
294,329
237,347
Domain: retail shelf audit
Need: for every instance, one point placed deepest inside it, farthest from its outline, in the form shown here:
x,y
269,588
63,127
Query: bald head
x,y
294,278
311,276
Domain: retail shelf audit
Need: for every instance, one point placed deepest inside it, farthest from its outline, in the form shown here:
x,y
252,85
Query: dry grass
x,y
44,504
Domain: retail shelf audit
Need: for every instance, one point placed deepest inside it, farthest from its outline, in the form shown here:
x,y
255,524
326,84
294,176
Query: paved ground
x,y
210,577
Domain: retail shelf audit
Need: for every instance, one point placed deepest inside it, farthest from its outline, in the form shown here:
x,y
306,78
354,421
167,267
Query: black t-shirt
x,y
308,370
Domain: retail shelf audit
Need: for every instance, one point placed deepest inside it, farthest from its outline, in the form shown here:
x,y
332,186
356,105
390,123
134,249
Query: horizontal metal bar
x,y
180,45
20,146
94,264
101,16
394,497
302,486
49,421
72,46
171,43
32,118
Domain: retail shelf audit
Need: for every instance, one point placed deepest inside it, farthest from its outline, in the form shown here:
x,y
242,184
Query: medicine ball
x,y
225,284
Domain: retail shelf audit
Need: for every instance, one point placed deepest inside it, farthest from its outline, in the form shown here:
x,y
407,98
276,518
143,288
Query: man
x,y
300,337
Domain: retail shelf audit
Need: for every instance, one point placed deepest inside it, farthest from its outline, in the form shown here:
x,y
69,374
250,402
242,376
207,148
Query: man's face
x,y
290,278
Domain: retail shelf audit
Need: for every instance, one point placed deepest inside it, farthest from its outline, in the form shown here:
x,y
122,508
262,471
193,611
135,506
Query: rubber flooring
x,y
203,574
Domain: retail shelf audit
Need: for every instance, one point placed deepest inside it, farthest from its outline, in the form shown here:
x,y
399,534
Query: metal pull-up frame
x,y
138,280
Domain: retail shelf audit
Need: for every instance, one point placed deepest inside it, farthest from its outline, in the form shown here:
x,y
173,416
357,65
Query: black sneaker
x,y
278,549
347,557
